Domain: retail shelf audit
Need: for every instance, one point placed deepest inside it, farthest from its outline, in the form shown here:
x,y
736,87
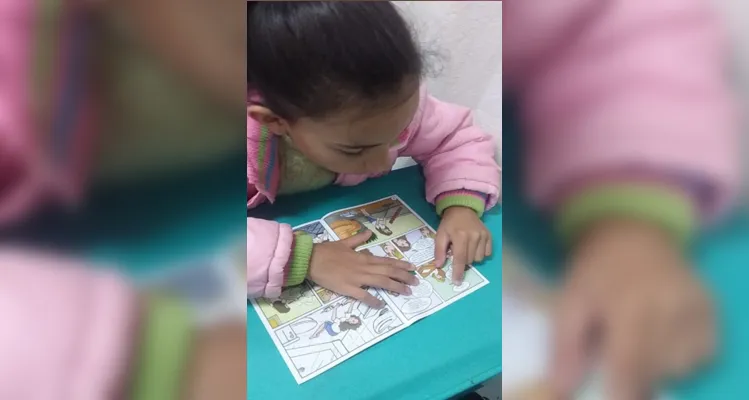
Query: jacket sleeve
x,y
276,257
66,329
459,159
631,114
35,167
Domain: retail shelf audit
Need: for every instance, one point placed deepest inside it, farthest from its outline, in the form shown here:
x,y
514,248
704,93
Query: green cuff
x,y
299,260
163,354
475,203
657,204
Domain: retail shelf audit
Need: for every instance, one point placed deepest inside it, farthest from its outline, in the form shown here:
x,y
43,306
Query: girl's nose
x,y
379,163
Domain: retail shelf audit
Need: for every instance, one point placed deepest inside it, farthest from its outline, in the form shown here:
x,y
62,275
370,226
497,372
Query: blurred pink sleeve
x,y
67,331
269,248
623,87
40,163
20,182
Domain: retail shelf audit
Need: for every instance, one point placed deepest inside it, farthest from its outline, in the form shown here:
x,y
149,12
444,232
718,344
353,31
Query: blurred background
x,y
122,148
463,39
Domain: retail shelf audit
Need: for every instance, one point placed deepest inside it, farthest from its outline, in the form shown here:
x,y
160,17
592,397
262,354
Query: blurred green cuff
x,y
164,350
461,198
301,254
659,204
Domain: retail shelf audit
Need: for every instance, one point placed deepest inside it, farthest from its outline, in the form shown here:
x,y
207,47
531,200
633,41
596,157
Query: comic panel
x,y
316,230
386,249
293,303
441,279
320,340
386,219
326,295
423,299
417,245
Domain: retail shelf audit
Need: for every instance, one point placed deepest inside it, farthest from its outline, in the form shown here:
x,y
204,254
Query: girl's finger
x,y
394,273
573,323
392,262
357,240
383,282
626,352
441,242
365,297
460,252
488,251
480,249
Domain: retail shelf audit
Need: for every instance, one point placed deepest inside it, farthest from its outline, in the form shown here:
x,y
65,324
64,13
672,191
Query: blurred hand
x,y
629,284
218,366
462,229
337,267
203,41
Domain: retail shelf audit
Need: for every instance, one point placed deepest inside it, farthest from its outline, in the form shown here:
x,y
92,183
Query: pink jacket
x,y
455,155
621,88
67,332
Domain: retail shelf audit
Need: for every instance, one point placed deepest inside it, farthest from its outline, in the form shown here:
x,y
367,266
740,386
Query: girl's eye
x,y
351,153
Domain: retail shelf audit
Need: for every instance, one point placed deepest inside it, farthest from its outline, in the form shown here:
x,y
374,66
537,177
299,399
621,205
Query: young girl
x,y
335,95
631,141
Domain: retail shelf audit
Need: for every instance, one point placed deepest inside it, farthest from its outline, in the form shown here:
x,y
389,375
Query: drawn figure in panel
x,y
442,281
417,245
385,218
338,324
333,332
293,302
316,230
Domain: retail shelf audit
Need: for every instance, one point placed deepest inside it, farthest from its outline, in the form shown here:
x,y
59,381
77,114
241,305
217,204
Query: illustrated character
x,y
391,251
321,238
380,224
402,244
432,270
382,227
336,325
346,228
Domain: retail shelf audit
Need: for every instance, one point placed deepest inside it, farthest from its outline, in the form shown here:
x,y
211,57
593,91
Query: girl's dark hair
x,y
311,58
347,326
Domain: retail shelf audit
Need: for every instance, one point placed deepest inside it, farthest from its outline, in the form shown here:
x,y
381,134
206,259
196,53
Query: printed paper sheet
x,y
315,329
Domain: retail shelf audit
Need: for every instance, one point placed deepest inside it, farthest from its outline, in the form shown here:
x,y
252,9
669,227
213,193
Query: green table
x,y
438,357
721,256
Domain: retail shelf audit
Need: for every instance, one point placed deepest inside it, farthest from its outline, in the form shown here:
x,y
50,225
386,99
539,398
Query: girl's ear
x,y
264,116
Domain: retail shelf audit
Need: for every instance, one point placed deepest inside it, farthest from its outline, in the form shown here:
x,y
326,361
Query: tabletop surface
x,y
721,258
436,358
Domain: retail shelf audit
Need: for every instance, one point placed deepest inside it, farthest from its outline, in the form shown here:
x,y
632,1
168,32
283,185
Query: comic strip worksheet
x,y
315,329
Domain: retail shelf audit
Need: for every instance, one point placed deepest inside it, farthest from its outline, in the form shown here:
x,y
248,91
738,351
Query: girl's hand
x,y
630,285
470,240
218,364
337,267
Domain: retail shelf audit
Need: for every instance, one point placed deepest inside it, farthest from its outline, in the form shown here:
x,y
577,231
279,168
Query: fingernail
x,y
458,282
411,267
408,291
415,281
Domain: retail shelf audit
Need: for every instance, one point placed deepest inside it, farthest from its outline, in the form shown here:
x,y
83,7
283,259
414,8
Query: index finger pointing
x,y
625,354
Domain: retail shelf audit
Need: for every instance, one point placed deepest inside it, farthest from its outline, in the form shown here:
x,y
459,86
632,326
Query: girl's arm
x,y
72,329
459,159
628,113
276,257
